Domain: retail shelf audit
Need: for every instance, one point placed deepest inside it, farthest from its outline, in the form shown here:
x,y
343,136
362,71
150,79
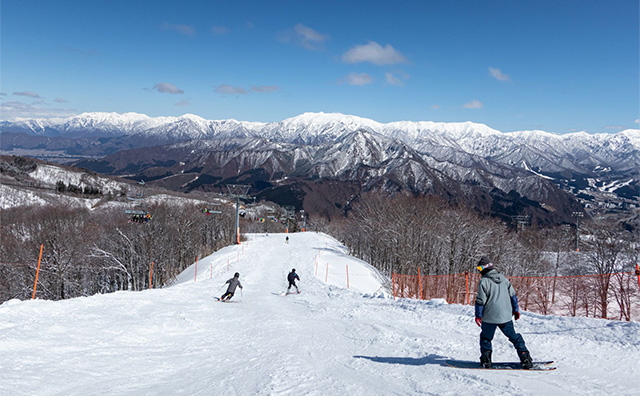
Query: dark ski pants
x,y
227,294
294,285
489,329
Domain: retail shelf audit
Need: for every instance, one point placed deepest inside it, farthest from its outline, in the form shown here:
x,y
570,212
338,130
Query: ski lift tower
x,y
238,191
520,221
290,215
577,215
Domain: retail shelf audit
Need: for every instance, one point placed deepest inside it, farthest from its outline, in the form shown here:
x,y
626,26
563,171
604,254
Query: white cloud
x,y
219,30
227,89
310,38
304,36
13,110
28,93
474,104
358,79
393,80
60,100
637,121
167,88
183,103
374,53
186,30
498,75
396,78
265,88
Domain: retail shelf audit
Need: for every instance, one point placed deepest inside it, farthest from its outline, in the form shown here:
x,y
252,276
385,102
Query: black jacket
x,y
292,277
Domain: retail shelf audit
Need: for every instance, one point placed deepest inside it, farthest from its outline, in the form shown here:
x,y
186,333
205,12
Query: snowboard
x,y
537,366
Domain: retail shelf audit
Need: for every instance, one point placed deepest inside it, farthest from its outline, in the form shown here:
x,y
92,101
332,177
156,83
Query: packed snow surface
x,y
328,340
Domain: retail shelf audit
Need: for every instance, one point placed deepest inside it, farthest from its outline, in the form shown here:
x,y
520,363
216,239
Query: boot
x,y
485,359
525,359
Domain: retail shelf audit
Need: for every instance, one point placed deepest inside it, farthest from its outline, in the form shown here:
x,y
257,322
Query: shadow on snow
x,y
408,361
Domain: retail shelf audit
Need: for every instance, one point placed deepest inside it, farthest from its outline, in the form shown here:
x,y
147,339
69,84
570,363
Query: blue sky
x,y
559,66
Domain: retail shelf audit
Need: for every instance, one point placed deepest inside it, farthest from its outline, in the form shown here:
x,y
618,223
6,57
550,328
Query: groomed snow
x,y
326,341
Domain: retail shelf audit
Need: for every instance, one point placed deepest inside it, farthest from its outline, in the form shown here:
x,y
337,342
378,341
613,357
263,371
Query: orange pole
x,y
211,277
37,273
151,275
638,274
466,276
347,276
195,277
420,283
326,277
394,285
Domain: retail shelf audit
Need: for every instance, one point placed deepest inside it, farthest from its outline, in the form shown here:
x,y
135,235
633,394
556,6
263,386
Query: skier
x,y
292,280
286,240
233,283
496,302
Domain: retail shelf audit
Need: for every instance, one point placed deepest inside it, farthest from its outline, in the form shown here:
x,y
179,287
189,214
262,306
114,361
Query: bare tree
x,y
604,249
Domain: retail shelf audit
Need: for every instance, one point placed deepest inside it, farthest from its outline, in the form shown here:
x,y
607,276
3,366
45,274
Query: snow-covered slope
x,y
329,340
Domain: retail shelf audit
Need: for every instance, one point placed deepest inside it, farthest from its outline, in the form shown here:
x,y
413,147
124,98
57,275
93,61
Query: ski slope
x,y
328,340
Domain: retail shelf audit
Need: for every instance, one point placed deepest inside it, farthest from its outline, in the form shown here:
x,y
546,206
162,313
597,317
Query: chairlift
x,y
209,212
138,216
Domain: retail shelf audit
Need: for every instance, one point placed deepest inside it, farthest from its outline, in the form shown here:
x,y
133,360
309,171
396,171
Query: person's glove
x,y
479,322
516,315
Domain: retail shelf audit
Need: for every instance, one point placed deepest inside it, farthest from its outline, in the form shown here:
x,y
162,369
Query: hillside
x,y
538,174
326,341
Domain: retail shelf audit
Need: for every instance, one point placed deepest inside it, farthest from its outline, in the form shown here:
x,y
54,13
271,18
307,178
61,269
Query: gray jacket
x,y
496,299
233,283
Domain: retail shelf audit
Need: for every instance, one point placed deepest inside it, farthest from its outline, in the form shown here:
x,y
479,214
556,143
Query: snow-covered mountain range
x,y
448,159
579,152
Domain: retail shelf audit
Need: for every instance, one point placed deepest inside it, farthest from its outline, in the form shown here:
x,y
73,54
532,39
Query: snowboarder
x,y
233,283
292,280
496,302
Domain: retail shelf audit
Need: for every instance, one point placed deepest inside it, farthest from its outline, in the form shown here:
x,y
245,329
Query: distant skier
x,y
286,240
233,284
496,301
292,280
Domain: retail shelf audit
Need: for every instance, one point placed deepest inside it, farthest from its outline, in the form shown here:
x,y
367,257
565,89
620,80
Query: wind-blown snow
x,y
326,341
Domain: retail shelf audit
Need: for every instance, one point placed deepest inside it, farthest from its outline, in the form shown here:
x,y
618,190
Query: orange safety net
x,y
613,296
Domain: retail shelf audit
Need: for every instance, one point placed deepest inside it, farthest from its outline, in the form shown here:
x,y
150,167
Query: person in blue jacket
x,y
496,302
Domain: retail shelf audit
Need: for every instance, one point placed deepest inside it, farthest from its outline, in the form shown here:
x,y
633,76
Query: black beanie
x,y
484,261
